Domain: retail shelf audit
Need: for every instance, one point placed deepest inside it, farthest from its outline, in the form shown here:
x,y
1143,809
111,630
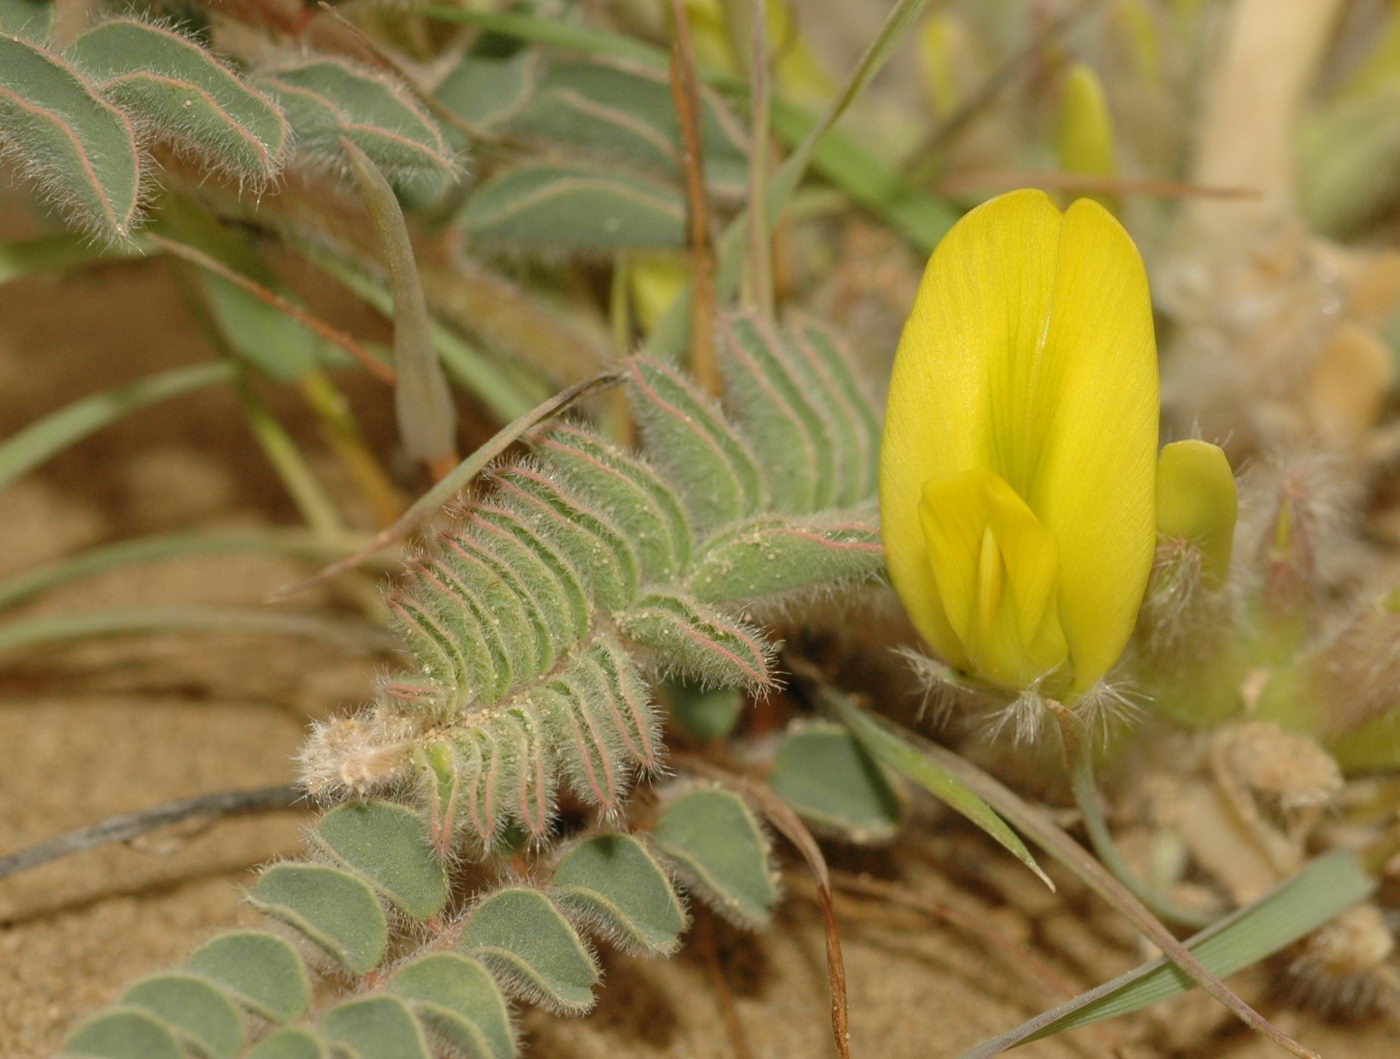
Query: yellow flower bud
x,y
1017,473
1085,140
1196,502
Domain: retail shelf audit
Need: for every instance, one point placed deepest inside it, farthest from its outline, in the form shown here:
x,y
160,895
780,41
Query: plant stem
x,y
126,826
311,500
1080,752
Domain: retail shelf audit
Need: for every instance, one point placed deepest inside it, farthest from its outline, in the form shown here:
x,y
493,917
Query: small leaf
x,y
331,907
695,640
695,445
854,417
180,92
30,19
622,892
326,99
388,845
268,339
192,1008
79,150
540,206
461,1003
773,557
289,1043
375,1027
485,92
823,773
624,115
716,843
704,715
263,973
522,936
122,1033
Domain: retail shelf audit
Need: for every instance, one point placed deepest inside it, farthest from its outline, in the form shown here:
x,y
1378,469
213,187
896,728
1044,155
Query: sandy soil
x,y
98,728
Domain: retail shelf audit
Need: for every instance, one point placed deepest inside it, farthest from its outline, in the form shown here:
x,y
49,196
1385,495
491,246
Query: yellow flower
x,y
1017,473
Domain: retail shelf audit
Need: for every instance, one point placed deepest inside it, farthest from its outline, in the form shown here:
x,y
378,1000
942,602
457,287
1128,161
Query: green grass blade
x,y
55,432
53,253
905,759
162,546
352,635
1324,888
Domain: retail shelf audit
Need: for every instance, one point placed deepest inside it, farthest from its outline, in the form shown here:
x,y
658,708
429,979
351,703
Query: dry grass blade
x,y
126,826
1037,825
199,258
758,277
685,90
433,500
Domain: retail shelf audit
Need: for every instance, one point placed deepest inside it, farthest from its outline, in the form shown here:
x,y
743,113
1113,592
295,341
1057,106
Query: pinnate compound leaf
x,y
326,99
523,937
179,92
460,1002
388,845
193,1009
289,1043
575,208
715,842
79,149
331,907
614,883
375,1027
261,971
696,641
122,1033
825,774
770,557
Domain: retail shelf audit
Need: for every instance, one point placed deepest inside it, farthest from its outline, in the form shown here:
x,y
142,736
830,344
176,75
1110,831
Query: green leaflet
x,y
770,557
179,92
260,971
123,1033
387,845
375,1027
80,151
460,1001
520,934
624,115
715,842
331,907
325,99
699,642
616,885
194,1009
290,1043
574,207
825,774
486,92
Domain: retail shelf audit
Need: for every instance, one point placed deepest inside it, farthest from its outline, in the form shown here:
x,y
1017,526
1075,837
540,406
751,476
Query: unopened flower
x,y
1017,473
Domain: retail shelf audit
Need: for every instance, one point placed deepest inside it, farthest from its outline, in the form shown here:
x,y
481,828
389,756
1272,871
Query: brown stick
x,y
126,826
685,91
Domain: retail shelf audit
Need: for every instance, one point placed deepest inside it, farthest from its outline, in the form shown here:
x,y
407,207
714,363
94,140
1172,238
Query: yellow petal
x,y
1197,502
1029,352
995,570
